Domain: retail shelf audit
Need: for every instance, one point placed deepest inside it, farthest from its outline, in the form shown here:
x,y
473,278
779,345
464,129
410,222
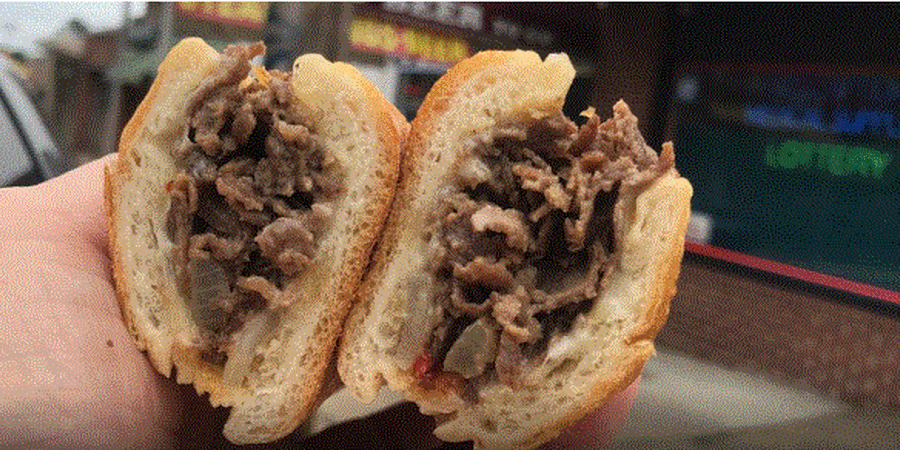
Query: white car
x,y
28,154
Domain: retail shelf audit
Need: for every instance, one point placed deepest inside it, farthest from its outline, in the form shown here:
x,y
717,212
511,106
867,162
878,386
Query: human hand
x,y
71,376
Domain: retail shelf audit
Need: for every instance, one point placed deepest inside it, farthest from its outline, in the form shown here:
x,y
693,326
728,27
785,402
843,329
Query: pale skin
x,y
71,376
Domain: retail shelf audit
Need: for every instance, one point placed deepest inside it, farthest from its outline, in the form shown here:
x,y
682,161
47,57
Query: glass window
x,y
39,139
14,159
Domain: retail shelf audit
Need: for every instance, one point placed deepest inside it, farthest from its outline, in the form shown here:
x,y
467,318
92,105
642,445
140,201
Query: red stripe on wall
x,y
786,270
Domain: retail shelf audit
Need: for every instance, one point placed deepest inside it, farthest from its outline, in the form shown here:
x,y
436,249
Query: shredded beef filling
x,y
249,202
518,252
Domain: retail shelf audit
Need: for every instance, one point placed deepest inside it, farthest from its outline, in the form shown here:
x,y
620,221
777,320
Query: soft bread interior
x,y
487,87
355,125
606,347
137,202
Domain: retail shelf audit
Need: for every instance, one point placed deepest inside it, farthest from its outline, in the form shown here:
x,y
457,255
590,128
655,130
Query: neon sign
x,y
840,121
797,166
836,159
390,39
462,15
248,14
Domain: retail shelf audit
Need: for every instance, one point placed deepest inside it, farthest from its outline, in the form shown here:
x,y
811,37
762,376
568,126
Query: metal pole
x,y
111,119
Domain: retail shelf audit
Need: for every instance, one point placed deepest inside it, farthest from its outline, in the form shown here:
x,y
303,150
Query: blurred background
x,y
785,117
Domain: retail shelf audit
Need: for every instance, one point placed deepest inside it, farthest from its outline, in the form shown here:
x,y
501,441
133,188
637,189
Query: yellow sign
x,y
248,14
389,39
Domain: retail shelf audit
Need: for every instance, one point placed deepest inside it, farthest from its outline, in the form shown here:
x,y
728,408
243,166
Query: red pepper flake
x,y
423,366
169,186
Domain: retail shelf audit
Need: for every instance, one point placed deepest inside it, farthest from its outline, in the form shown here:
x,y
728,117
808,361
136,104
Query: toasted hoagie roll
x,y
527,264
243,208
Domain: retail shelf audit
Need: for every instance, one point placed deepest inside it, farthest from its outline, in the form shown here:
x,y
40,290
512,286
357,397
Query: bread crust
x,y
521,88
475,74
362,130
189,52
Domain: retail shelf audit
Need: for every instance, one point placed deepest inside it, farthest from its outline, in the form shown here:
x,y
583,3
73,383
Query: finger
x,y
598,429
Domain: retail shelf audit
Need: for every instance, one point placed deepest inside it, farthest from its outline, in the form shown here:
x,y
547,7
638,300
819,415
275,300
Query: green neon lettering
x,y
836,159
858,161
881,162
806,151
790,156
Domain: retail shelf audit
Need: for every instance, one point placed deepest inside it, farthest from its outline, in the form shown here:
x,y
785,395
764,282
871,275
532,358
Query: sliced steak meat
x,y
251,199
511,313
510,222
521,242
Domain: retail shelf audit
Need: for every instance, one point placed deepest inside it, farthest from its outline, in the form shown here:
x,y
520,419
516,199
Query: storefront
x,y
405,47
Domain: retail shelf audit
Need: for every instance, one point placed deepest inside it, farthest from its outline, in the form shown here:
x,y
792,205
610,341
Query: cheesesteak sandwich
x,y
527,264
242,208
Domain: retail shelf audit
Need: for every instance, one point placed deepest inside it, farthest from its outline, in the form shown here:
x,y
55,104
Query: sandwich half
x,y
527,264
242,211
